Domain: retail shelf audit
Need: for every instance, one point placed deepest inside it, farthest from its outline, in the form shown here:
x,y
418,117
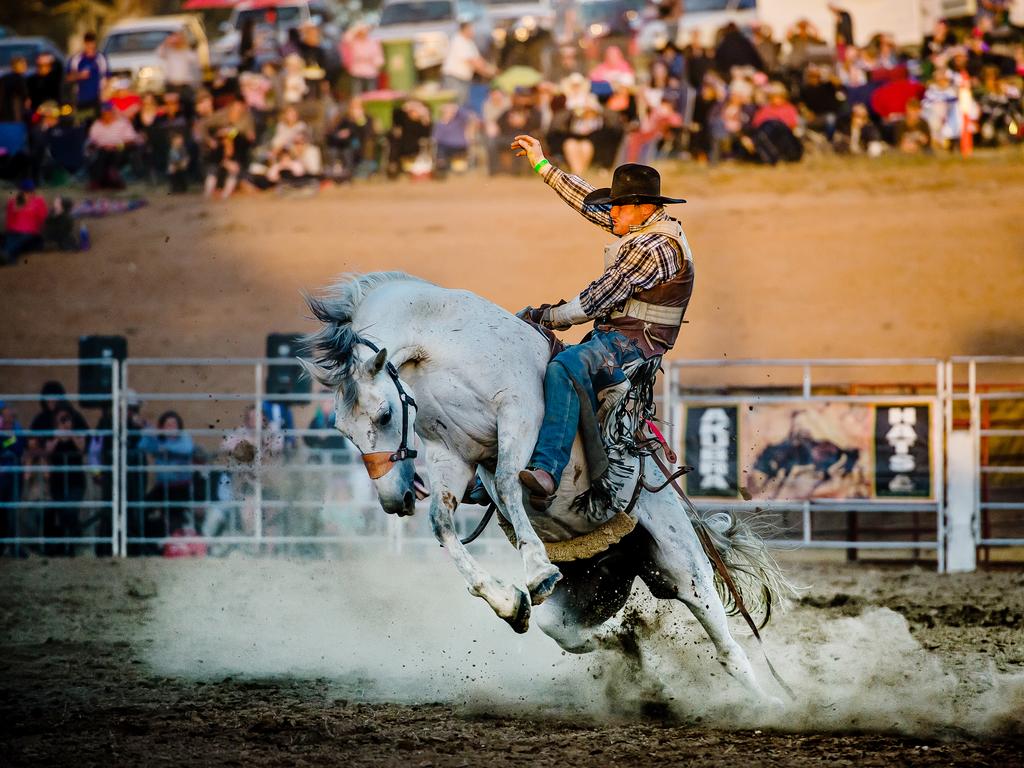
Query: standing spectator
x,y
736,50
363,57
87,71
170,450
65,454
698,59
463,62
614,68
14,96
942,109
181,67
844,27
247,46
109,138
45,83
493,108
767,48
152,148
26,215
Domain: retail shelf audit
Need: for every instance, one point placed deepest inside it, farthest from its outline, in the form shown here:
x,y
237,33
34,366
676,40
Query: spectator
x,y
152,149
177,164
451,135
171,451
65,454
109,139
941,109
14,94
912,135
12,445
614,69
45,83
520,117
363,57
333,448
856,134
496,104
410,135
86,72
462,62
767,48
287,128
820,100
181,67
60,231
779,108
230,134
26,215
736,50
351,142
773,129
294,87
581,127
844,27
247,45
851,71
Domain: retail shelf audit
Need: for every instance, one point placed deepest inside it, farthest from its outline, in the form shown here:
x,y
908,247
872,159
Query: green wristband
x,y
541,164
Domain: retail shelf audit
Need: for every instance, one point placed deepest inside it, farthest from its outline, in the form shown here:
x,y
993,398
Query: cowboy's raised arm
x,y
572,189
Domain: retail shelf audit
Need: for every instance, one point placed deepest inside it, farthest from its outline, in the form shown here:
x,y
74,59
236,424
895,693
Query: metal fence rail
x,y
291,493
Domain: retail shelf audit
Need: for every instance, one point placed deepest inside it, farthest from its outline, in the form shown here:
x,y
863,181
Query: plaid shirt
x,y
643,262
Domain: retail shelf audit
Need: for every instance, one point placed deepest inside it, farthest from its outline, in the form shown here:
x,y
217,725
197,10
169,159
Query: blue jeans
x,y
593,365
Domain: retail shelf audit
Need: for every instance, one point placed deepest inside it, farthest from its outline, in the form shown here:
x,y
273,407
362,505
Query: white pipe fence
x,y
255,480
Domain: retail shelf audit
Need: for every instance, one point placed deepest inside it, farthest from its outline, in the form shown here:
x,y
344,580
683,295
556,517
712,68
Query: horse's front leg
x,y
515,444
449,475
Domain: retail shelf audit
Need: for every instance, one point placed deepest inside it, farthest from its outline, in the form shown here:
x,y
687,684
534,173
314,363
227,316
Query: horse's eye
x,y
385,418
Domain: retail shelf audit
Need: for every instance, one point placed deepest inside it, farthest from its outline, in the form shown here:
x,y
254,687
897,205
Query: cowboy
x,y
637,304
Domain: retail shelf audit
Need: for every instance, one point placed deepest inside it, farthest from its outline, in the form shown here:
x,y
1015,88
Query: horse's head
x,y
371,405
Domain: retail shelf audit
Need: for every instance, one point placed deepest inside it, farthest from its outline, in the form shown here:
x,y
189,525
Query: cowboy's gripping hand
x,y
528,147
534,314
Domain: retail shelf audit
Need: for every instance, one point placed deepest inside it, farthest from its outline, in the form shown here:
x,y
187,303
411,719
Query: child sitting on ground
x,y
177,164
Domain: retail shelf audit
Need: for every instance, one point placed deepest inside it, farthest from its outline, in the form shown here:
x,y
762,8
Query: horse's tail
x,y
756,575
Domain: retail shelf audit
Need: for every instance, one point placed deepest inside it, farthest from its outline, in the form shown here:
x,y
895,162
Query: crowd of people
x,y
56,482
295,123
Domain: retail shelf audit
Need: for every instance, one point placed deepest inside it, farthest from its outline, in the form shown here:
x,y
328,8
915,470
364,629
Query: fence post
x,y
258,491
962,553
122,440
115,459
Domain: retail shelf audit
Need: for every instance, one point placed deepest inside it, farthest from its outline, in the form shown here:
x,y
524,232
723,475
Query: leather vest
x,y
652,317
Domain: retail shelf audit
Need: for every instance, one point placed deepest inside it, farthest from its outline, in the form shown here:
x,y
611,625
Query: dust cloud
x,y
382,628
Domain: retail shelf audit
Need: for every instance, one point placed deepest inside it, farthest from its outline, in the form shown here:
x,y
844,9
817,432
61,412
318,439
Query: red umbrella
x,y
207,5
890,100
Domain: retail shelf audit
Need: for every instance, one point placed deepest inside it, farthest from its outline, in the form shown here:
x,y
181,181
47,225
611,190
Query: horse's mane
x,y
333,345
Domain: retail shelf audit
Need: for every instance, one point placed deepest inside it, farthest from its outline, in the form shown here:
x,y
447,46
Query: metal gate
x,y
815,522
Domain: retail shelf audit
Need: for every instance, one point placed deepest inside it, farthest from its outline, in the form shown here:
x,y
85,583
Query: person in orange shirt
x,y
26,213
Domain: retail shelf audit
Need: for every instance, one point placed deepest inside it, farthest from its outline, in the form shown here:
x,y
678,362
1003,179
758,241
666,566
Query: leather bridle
x,y
379,463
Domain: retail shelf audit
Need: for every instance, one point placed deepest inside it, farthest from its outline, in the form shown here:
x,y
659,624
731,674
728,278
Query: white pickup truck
x,y
132,47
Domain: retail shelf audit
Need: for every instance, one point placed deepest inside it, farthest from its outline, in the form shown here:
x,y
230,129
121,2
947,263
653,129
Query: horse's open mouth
x,y
420,487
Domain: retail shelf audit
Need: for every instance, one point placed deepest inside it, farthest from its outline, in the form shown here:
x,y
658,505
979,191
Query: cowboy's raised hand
x,y
529,147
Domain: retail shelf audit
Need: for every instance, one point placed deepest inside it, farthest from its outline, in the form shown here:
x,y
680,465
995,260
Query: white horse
x,y
475,375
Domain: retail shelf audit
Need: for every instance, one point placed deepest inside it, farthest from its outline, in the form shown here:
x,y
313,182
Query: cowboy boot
x,y
541,486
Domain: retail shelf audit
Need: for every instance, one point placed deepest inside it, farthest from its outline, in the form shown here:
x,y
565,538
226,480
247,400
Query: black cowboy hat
x,y
632,184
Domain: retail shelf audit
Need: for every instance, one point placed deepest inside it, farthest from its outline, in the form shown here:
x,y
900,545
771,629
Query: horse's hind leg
x,y
678,568
515,443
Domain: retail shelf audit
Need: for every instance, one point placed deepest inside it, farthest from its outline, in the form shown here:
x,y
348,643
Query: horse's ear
x,y
317,373
376,364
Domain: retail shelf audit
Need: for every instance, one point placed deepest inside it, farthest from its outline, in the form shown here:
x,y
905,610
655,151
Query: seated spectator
x,y
856,134
293,80
170,451
124,98
580,126
820,101
494,106
731,120
177,164
409,136
655,129
229,136
772,137
109,139
351,142
65,453
912,135
152,149
26,215
522,116
451,136
60,231
850,68
287,128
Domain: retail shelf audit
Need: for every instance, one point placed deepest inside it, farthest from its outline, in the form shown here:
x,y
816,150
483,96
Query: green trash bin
x,y
399,64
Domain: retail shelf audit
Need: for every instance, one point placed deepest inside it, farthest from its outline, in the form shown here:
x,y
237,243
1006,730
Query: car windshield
x,y
605,11
135,42
281,16
697,6
416,13
12,50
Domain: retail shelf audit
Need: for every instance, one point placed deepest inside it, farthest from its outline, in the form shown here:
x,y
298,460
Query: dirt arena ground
x,y
365,661
244,662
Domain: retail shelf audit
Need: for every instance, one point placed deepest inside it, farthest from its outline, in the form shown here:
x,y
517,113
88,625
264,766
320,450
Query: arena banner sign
x,y
711,443
808,450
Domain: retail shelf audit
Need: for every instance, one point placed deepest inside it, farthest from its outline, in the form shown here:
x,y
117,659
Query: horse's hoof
x,y
543,589
520,618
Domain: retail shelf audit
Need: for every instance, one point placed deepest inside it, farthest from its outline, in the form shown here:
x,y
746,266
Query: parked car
x,y
132,47
29,47
430,24
272,19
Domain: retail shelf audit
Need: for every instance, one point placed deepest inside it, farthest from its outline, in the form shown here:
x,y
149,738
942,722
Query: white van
x,y
132,46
